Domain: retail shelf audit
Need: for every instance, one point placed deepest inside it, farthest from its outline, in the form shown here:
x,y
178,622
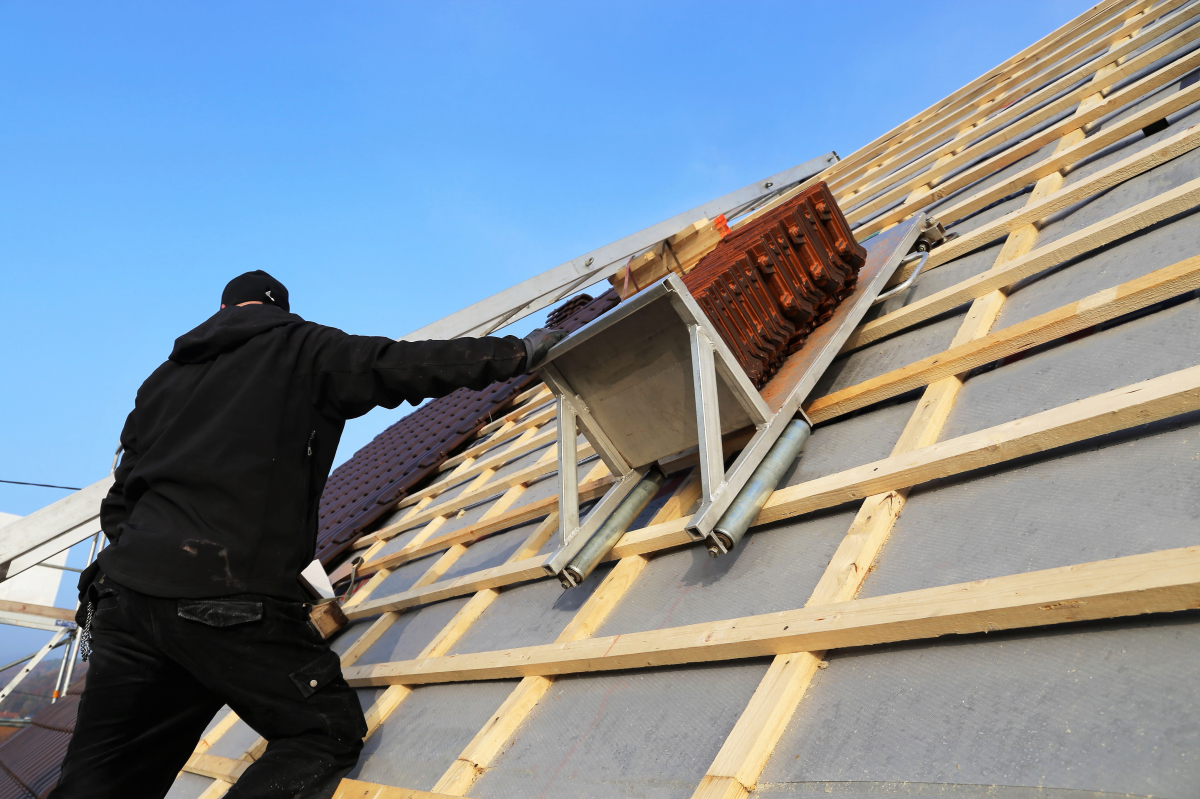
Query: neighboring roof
x,y
367,487
31,758
35,689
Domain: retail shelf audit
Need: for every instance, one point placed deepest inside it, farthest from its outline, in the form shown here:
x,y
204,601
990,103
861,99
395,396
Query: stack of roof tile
x,y
770,282
367,487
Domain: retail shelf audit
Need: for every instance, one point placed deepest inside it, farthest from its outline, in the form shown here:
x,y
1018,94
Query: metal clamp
x,y
924,256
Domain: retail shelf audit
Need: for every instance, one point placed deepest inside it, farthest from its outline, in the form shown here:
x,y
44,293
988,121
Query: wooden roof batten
x,y
942,138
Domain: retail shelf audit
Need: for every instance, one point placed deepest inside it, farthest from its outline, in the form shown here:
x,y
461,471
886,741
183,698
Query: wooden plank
x,y
678,253
74,510
528,441
484,527
1111,303
390,611
374,540
1156,582
441,643
212,736
526,475
536,420
746,750
1090,238
41,611
852,182
1070,36
480,753
1032,109
469,613
1143,161
1098,141
500,727
540,535
507,432
218,768
385,621
478,485
744,754
216,790
496,577
431,576
354,789
521,405
683,501
1148,401
1021,116
1140,403
364,592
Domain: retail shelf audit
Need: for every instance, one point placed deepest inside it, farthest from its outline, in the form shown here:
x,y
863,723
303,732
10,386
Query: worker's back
x,y
211,517
231,441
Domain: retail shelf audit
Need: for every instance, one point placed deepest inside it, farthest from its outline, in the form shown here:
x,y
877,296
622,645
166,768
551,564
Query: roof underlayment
x,y
978,432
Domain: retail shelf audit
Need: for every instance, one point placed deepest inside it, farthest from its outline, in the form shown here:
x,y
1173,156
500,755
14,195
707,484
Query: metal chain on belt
x,y
85,635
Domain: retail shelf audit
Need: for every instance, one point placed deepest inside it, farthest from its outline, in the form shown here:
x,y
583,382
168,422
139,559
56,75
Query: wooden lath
x,y
1055,163
988,128
1156,581
1077,30
1160,398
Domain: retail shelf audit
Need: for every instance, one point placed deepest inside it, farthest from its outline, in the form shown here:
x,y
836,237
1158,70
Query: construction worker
x,y
196,602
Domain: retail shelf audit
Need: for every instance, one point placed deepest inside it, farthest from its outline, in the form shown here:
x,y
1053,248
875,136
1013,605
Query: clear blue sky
x,y
391,162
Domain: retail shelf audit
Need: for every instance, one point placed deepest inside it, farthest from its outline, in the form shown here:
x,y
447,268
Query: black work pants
x,y
161,668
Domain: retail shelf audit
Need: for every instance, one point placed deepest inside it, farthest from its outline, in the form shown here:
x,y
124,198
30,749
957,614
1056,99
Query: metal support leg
x,y
33,661
708,417
606,537
568,471
597,516
754,495
73,645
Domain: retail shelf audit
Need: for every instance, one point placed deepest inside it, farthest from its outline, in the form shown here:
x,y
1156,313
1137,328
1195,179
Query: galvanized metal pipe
x,y
600,544
744,509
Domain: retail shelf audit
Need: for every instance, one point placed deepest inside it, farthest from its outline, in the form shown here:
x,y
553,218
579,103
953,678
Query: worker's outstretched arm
x,y
115,508
355,373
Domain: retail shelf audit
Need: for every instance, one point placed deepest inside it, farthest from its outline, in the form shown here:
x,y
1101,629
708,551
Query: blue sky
x,y
391,162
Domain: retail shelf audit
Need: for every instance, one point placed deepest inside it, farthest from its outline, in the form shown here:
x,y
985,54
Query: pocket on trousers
x,y
316,675
220,612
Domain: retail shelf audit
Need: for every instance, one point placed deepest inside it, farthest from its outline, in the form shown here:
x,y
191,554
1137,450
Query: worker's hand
x,y
538,343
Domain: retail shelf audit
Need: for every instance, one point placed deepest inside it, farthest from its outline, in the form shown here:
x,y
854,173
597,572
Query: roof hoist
x,y
653,378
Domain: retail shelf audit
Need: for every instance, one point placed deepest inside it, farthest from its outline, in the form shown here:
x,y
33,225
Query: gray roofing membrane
x,y
648,733
1070,712
425,734
1098,707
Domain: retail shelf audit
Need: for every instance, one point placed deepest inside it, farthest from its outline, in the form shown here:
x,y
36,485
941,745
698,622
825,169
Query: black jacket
x,y
230,442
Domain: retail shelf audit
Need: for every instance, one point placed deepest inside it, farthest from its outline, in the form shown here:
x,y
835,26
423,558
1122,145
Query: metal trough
x,y
652,378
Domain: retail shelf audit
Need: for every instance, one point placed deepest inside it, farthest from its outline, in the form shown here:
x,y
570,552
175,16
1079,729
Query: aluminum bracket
x,y
652,378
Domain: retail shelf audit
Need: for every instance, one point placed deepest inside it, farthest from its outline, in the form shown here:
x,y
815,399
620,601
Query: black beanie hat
x,y
256,285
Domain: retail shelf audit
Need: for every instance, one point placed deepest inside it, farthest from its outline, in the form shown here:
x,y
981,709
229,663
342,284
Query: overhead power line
x,y
40,485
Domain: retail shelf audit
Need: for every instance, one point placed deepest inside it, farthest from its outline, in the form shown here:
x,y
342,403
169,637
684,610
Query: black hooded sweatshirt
x,y
231,440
